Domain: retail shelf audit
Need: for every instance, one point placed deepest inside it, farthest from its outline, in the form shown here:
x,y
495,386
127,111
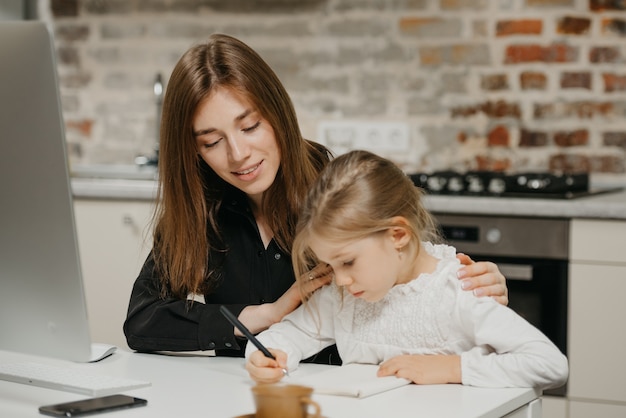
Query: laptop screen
x,y
42,303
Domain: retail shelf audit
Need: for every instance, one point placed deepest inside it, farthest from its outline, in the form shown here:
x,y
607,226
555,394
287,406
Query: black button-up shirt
x,y
250,274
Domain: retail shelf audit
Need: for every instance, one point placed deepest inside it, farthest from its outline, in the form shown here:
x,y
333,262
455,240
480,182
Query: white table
x,y
194,386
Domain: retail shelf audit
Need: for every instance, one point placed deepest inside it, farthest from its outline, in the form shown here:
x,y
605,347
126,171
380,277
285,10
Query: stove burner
x,y
488,183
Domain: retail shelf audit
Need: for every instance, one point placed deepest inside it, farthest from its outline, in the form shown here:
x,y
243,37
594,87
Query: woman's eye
x,y
348,263
252,128
207,145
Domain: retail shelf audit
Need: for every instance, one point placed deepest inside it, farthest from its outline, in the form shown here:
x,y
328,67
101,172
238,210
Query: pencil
x,y
245,331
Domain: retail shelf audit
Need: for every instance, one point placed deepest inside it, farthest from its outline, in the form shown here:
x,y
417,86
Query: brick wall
x,y
499,85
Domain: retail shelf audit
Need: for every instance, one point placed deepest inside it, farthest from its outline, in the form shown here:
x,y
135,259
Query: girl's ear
x,y
399,232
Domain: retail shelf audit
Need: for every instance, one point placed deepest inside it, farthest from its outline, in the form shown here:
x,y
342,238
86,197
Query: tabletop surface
x,y
195,385
611,205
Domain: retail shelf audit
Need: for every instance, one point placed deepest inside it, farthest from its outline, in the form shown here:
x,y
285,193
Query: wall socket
x,y
382,138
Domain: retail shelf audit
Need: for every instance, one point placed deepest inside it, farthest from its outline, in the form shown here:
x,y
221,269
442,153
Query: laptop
x,y
42,301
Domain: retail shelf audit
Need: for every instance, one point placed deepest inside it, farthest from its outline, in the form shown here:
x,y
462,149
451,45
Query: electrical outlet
x,y
378,137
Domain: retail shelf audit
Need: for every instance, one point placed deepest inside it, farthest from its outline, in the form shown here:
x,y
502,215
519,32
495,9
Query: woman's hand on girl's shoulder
x,y
319,276
483,278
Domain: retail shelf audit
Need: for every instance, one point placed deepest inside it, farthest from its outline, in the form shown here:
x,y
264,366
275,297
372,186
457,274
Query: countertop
x,y
611,205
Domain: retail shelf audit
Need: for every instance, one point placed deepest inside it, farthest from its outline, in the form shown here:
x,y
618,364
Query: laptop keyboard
x,y
67,379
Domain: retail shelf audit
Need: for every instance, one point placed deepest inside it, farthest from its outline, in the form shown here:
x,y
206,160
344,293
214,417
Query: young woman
x,y
395,299
233,172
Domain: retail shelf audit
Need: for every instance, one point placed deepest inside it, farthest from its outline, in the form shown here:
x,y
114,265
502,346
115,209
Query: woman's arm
x,y
154,323
260,317
483,278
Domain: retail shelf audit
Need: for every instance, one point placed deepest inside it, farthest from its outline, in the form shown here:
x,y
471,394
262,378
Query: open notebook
x,y
355,380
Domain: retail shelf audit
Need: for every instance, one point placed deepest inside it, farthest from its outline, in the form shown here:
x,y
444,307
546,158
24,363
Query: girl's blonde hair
x,y
357,195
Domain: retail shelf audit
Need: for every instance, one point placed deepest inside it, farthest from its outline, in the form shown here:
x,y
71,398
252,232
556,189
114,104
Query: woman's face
x,y
237,142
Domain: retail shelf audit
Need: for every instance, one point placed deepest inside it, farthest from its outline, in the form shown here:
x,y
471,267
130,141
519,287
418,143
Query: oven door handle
x,y
523,272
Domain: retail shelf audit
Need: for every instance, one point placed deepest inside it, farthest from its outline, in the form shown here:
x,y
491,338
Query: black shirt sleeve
x,y
250,274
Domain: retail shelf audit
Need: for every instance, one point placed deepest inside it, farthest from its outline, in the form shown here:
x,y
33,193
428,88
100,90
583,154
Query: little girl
x,y
395,299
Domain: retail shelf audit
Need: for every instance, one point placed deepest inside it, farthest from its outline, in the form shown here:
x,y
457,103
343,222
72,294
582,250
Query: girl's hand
x,y
423,369
265,370
484,278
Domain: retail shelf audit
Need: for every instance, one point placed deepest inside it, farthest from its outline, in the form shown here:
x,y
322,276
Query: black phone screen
x,y
92,406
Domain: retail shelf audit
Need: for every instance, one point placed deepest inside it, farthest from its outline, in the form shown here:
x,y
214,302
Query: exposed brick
x,y
533,138
604,54
494,82
76,80
614,82
71,33
607,164
614,139
430,28
516,54
264,6
519,27
499,109
573,25
572,138
578,109
110,6
116,30
614,26
83,127
195,6
566,163
490,163
531,80
480,29
458,55
549,3
498,136
571,80
68,56
463,4
453,82
64,8
70,103
360,5
358,27
423,106
601,5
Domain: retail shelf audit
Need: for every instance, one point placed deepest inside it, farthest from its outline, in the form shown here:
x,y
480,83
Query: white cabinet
x,y
114,238
597,309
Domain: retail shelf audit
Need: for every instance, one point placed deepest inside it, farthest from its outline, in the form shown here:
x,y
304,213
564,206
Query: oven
x,y
532,253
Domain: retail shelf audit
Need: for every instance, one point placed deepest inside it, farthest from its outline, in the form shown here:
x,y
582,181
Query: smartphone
x,y
92,406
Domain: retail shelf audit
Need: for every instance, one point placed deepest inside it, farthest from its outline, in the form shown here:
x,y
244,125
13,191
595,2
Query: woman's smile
x,y
248,174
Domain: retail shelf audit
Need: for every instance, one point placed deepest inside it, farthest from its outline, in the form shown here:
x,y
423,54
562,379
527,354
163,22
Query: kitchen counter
x,y
114,189
611,205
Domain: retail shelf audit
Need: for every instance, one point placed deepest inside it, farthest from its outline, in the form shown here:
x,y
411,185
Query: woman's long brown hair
x,y
190,194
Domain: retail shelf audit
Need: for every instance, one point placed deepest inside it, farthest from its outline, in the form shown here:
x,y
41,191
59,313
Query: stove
x,y
489,183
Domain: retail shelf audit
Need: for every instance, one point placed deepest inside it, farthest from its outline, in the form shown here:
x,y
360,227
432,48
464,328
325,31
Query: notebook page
x,y
355,380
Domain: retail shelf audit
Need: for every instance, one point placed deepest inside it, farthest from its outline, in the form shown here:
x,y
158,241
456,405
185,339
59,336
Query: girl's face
x,y
237,142
368,268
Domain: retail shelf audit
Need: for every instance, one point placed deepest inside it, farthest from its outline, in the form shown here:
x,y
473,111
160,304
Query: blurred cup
x,y
284,401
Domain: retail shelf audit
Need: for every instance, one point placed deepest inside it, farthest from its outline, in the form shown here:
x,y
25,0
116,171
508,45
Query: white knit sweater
x,y
428,315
